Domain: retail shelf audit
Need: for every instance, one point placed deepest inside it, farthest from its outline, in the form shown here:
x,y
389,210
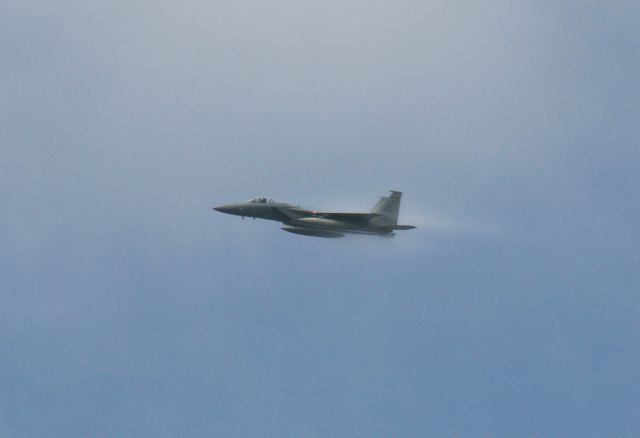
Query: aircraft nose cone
x,y
222,209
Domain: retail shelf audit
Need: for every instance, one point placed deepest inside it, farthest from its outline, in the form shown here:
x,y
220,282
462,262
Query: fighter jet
x,y
382,220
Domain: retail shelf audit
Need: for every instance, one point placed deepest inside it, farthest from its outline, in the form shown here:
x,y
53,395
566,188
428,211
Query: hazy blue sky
x,y
129,308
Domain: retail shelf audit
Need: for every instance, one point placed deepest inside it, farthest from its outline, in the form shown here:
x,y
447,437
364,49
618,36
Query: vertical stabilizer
x,y
388,207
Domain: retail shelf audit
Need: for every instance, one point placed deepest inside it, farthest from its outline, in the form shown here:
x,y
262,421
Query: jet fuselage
x,y
382,220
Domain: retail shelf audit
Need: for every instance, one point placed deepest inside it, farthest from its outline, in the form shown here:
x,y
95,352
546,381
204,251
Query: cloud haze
x,y
129,308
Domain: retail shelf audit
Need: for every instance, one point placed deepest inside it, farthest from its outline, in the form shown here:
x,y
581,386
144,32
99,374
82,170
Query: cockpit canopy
x,y
260,201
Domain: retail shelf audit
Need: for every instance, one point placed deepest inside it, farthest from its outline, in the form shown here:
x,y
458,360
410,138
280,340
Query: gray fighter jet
x,y
382,220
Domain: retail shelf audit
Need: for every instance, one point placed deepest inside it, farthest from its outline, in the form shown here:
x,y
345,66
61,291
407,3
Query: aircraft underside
x,y
333,233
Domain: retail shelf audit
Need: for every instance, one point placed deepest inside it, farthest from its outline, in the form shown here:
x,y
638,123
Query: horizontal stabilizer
x,y
402,227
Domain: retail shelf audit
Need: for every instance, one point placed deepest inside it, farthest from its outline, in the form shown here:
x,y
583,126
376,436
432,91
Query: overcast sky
x,y
129,308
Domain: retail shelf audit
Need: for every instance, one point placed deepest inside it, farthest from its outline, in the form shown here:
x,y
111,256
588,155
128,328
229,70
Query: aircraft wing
x,y
285,213
348,217
351,218
302,211
344,217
